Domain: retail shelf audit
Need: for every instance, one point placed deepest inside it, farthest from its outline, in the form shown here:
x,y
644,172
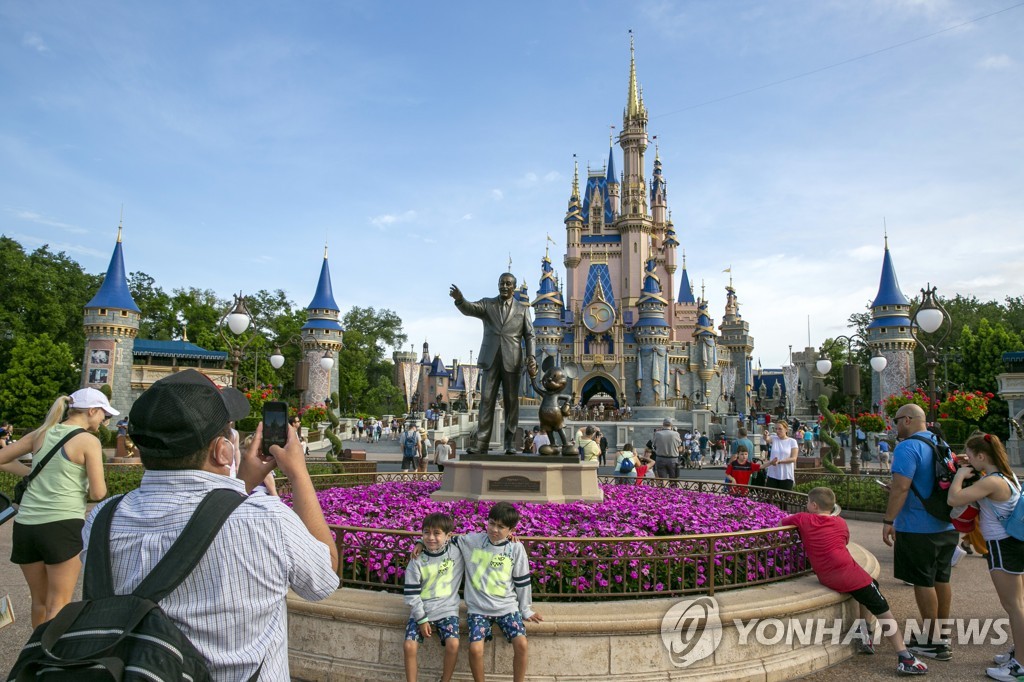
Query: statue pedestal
x,y
519,479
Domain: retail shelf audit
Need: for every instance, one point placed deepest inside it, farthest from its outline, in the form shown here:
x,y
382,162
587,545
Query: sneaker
x,y
865,646
958,554
940,651
1003,659
910,666
967,546
1011,672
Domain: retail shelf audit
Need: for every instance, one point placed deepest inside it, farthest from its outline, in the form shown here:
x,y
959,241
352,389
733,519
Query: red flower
x,y
990,395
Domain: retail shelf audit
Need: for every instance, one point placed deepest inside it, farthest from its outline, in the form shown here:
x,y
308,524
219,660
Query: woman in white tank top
x,y
996,494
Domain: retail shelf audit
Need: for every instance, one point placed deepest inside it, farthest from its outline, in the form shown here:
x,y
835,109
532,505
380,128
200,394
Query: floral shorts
x,y
511,625
445,629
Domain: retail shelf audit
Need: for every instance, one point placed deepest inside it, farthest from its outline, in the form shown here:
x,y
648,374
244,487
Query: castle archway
x,y
599,384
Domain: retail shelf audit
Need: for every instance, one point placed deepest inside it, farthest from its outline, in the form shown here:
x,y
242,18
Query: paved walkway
x,y
973,597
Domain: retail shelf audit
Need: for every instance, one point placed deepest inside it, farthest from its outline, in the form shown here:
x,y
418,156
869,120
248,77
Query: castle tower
x,y
612,179
573,229
889,334
111,324
740,344
548,309
704,353
437,382
684,311
322,332
652,335
634,225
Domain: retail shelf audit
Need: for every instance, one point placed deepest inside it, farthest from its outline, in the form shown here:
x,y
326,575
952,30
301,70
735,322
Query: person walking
x,y
667,444
67,470
782,457
923,544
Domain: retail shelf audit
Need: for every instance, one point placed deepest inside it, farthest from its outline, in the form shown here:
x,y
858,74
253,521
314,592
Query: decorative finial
x,y
885,232
549,241
684,259
120,223
702,290
611,136
575,176
184,333
509,262
656,155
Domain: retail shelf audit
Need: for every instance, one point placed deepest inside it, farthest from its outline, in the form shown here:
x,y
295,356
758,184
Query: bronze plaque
x,y
513,484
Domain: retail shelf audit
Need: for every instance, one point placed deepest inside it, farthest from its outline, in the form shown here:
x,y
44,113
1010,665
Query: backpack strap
x,y
190,547
49,455
935,455
98,582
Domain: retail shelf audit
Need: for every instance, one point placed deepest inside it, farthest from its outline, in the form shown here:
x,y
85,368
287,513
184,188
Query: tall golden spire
x,y
634,104
575,177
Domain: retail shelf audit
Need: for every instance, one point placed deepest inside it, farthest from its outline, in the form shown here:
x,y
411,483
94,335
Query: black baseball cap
x,y
181,413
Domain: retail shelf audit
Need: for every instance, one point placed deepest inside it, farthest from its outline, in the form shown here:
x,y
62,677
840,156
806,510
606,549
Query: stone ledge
x,y
358,634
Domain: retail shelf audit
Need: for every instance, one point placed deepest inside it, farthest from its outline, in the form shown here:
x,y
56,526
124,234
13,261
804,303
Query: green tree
x,y
43,293
364,373
158,317
39,370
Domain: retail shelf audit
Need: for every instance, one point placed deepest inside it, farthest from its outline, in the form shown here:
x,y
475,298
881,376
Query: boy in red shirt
x,y
825,536
740,470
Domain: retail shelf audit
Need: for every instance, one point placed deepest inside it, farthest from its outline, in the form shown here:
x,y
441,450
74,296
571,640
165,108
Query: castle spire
x,y
114,292
685,289
888,287
323,299
634,102
611,177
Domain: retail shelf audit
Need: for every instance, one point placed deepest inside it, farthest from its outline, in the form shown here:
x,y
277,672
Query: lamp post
x,y
928,318
851,384
236,319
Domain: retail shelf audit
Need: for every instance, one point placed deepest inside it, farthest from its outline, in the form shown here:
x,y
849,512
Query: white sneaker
x,y
1011,672
1003,659
958,554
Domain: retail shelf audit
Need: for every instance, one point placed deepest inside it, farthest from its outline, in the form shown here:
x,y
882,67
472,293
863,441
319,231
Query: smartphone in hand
x,y
275,425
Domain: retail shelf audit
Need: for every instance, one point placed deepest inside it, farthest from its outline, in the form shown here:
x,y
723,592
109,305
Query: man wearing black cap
x,y
232,606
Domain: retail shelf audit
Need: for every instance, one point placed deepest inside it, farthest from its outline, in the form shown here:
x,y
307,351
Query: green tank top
x,y
60,490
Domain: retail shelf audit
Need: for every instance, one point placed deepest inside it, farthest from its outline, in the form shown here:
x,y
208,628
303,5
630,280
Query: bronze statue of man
x,y
506,325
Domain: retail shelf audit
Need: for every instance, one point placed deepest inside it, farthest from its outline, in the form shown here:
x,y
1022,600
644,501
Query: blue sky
x,y
426,142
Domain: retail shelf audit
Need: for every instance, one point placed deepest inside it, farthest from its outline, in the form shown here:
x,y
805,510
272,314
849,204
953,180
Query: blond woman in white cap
x,y
47,535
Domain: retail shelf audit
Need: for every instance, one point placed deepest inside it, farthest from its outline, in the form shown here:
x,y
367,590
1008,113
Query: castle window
x,y
903,329
103,311
634,247
124,313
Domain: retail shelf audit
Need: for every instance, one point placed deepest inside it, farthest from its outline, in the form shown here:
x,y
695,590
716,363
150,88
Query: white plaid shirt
x,y
232,606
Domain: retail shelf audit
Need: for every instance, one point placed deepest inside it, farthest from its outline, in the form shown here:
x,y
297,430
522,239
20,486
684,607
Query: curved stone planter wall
x,y
358,635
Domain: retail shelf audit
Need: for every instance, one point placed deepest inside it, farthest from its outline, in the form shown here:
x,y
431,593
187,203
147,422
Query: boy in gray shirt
x,y
497,589
432,581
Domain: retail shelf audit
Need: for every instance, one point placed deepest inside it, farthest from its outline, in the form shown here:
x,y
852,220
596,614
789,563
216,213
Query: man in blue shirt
x,y
923,544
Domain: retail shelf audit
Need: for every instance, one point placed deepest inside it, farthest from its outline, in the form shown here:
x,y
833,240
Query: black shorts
x,y
51,543
780,483
1006,555
923,559
871,598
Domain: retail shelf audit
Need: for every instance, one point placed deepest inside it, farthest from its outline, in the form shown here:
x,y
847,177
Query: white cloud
x,y
386,219
996,62
39,219
497,194
35,42
468,216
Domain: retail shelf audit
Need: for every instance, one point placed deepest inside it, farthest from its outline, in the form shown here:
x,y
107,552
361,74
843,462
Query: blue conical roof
x,y
888,288
685,291
323,299
114,291
651,284
612,177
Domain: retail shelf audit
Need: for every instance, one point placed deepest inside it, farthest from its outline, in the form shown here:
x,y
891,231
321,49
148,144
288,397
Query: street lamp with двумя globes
x,y
851,385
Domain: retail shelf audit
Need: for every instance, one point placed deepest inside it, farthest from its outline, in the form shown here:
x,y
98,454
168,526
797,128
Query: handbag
x,y
22,486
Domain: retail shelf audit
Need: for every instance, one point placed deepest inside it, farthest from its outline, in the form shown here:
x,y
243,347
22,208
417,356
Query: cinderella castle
x,y
624,322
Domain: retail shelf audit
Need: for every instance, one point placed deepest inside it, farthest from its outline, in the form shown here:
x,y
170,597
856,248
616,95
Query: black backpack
x,y
944,469
127,637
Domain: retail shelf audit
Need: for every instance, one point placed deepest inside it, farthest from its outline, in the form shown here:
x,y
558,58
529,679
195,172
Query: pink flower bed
x,y
591,564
